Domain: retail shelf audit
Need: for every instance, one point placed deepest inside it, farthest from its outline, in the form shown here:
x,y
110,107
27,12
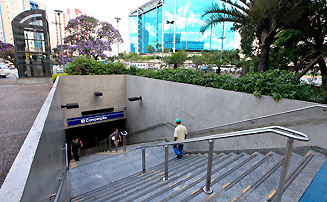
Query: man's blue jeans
x,y
178,149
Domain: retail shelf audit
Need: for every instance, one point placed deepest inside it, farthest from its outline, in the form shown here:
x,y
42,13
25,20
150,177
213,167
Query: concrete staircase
x,y
235,177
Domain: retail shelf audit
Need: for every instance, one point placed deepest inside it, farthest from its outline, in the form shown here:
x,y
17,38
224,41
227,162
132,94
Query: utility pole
x,y
59,24
117,19
171,23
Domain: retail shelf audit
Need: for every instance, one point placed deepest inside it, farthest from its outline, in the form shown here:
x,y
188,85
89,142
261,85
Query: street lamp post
x,y
170,22
117,19
59,24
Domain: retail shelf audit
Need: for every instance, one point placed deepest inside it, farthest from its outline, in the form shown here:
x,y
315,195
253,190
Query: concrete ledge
x,y
36,80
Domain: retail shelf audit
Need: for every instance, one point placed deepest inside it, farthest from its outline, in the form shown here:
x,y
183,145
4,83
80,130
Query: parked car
x,y
4,70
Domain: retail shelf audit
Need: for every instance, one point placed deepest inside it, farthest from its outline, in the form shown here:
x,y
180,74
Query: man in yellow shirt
x,y
180,133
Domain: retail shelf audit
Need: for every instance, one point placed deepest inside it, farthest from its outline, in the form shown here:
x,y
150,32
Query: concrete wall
x,y
201,107
80,89
40,163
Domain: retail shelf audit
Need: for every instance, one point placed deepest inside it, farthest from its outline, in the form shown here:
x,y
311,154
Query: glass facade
x,y
175,24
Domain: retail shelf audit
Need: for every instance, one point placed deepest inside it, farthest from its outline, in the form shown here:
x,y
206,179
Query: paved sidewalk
x,y
19,106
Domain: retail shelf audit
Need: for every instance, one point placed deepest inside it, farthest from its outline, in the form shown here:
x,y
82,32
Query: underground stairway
x,y
235,176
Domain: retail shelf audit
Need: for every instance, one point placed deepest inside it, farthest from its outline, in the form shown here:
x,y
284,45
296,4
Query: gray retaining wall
x,y
202,107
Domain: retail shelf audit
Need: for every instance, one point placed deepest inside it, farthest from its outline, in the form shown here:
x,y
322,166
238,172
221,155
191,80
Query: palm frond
x,y
248,3
218,18
238,6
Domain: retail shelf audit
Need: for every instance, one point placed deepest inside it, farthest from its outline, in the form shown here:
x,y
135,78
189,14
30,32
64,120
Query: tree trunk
x,y
264,58
323,70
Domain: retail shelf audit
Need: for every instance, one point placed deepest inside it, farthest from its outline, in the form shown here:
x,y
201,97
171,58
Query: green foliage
x,y
54,76
150,49
166,50
275,83
177,59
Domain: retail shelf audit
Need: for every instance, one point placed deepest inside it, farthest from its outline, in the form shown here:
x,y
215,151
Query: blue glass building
x,y
175,24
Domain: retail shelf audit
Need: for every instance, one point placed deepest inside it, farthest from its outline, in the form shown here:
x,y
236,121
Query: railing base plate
x,y
205,190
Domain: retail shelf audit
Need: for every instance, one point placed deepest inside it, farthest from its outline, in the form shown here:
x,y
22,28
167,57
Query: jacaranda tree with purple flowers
x,y
89,37
7,52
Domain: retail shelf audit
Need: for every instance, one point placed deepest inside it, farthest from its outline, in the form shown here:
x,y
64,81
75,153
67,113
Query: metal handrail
x,y
279,130
103,143
229,124
259,117
274,129
153,127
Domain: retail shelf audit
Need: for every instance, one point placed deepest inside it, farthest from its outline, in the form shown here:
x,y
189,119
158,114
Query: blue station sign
x,y
95,118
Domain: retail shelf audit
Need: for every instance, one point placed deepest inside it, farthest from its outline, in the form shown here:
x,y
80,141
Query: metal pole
x,y
117,43
124,142
66,152
166,163
143,161
109,144
118,38
61,48
207,189
283,175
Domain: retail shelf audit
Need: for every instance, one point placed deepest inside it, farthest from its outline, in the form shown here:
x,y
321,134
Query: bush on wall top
x,y
275,83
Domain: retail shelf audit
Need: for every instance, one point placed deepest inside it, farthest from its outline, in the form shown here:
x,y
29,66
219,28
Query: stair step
x,y
303,180
130,179
241,179
235,177
146,193
226,178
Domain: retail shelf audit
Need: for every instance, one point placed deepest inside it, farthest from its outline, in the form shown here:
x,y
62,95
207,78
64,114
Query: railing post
x,y
124,133
109,144
207,189
66,154
124,143
166,163
283,175
105,145
143,160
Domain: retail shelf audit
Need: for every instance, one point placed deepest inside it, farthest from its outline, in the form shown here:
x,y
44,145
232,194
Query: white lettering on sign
x,y
90,120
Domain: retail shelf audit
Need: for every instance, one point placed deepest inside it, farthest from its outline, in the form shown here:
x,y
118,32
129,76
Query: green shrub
x,y
54,76
275,83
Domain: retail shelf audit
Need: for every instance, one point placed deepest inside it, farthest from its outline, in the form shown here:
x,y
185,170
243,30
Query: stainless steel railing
x,y
324,108
103,143
170,125
282,131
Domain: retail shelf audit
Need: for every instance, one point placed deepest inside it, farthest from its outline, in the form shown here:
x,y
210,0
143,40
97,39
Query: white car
x,y
4,70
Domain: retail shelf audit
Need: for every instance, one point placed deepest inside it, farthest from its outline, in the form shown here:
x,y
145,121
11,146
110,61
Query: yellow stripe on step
x,y
246,189
226,185
272,194
195,191
211,195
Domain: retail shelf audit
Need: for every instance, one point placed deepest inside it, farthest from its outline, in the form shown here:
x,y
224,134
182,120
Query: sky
x,y
103,10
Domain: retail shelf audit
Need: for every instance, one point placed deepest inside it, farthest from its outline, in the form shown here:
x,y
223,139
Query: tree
x,y
265,18
150,49
7,52
158,47
89,37
177,59
166,50
314,27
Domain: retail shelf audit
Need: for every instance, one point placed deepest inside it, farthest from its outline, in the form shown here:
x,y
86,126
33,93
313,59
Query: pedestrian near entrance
x,y
180,133
116,137
75,148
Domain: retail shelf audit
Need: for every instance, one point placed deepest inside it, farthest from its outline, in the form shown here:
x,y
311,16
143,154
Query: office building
x,y
66,15
175,24
9,9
